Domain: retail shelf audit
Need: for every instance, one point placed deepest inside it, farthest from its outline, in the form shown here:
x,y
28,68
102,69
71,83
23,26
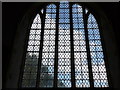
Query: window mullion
x,y
56,47
72,49
88,49
41,47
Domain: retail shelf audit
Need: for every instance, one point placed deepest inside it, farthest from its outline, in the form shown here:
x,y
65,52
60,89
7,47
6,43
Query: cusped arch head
x,y
92,22
36,22
77,8
37,19
51,6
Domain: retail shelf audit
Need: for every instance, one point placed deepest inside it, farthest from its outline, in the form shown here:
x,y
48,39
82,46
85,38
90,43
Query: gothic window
x,y
32,54
80,52
48,54
64,50
64,63
96,52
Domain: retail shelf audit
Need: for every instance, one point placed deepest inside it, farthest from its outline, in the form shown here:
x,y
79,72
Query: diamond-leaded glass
x,y
96,52
64,64
31,61
49,60
80,54
48,54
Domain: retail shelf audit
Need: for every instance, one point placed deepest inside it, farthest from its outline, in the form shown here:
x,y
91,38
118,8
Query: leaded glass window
x,y
59,48
32,54
80,54
64,63
48,54
96,51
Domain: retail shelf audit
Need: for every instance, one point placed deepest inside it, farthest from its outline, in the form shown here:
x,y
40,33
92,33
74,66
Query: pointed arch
x,y
80,52
32,54
64,49
96,51
64,58
48,52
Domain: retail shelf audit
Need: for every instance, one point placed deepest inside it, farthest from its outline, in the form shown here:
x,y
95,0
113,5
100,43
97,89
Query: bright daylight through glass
x,y
47,69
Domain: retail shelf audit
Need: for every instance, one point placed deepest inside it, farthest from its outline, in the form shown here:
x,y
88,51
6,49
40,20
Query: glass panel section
x,y
80,54
31,61
64,64
48,54
96,51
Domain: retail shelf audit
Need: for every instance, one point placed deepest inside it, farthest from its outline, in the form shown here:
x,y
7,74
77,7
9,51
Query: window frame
x,y
56,44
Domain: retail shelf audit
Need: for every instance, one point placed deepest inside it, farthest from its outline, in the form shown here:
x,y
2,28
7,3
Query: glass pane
x,y
48,55
31,61
80,54
96,51
64,64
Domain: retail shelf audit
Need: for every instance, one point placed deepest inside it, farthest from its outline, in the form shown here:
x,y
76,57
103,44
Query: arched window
x,y
96,52
32,54
48,52
65,49
80,52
